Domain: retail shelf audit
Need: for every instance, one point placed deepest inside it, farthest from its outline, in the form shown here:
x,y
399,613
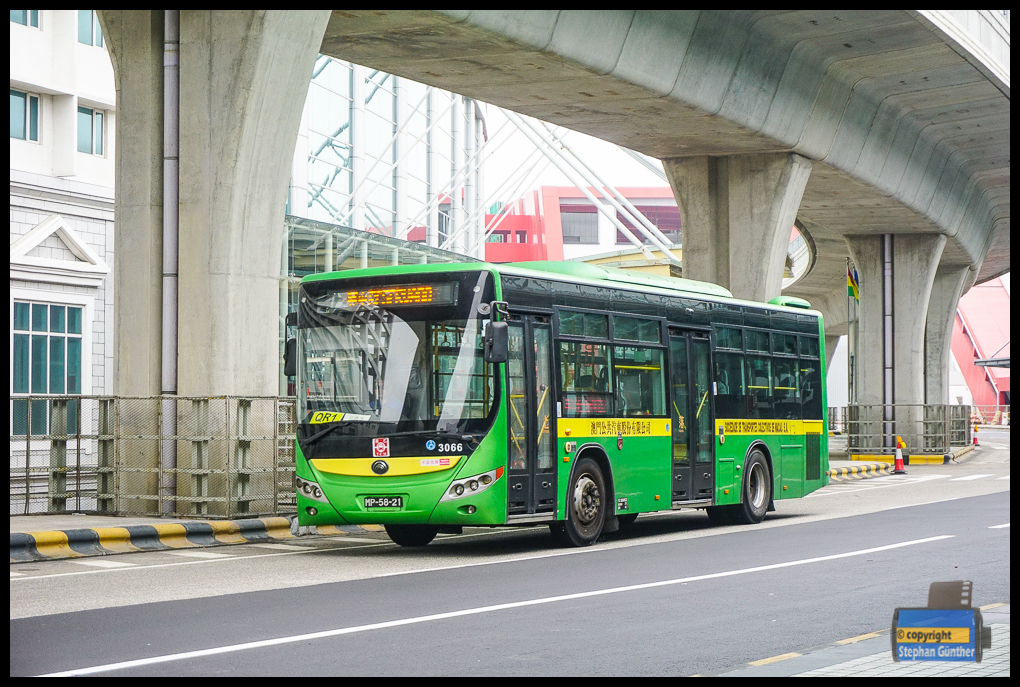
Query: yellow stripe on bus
x,y
362,467
768,427
575,428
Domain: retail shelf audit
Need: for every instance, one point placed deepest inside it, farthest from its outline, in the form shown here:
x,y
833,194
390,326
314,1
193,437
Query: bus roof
x,y
577,272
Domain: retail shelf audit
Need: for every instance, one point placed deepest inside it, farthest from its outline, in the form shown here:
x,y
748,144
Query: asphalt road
x,y
673,595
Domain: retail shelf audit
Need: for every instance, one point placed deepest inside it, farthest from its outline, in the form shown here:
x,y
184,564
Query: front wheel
x,y
756,490
412,535
586,506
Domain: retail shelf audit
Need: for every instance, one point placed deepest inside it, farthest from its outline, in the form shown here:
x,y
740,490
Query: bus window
x,y
786,389
587,389
639,381
809,346
756,341
811,388
729,379
759,387
584,324
727,337
636,330
784,343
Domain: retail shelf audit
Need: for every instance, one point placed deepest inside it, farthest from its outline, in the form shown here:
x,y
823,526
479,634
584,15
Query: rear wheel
x,y
412,535
756,490
586,506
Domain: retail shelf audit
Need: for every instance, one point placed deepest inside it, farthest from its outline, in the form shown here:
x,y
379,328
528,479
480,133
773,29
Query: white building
x,y
61,207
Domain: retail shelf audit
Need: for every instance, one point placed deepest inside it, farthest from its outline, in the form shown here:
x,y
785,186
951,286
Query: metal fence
x,y
925,429
164,455
990,415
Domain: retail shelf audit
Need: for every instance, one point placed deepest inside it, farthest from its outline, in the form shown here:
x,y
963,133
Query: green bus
x,y
434,397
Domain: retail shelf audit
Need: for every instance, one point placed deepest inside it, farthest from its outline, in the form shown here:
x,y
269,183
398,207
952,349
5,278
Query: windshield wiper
x,y
319,435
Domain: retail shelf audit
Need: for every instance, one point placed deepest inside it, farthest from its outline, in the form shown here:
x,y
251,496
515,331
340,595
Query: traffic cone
x,y
975,436
898,467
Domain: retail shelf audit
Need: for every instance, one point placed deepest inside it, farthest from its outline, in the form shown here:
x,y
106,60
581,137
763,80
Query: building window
x,y
24,116
665,218
90,131
89,31
25,17
46,356
580,224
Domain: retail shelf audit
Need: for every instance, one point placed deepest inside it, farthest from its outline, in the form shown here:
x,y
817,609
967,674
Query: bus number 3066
x,y
450,448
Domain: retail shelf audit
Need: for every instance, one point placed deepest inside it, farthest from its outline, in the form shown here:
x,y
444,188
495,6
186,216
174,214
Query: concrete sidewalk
x,y
870,655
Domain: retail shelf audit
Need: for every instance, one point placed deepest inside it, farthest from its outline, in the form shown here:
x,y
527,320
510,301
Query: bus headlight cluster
x,y
469,486
310,490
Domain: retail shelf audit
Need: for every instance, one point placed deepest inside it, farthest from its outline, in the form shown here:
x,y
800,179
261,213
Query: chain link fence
x,y
164,456
925,429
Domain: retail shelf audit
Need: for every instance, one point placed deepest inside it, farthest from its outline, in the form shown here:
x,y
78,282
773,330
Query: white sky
x,y
517,152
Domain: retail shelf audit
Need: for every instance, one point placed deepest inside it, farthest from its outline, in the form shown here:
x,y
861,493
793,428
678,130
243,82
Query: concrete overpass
x,y
885,133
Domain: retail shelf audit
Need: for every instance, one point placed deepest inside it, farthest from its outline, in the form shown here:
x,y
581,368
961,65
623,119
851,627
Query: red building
x,y
981,331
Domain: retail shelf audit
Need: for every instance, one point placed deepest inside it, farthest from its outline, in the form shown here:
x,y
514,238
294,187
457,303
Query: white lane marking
x,y
199,554
14,574
998,527
329,549
281,547
100,563
1000,478
970,477
841,487
477,611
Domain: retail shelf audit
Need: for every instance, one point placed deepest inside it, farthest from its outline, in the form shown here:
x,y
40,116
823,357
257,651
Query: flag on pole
x,y
852,285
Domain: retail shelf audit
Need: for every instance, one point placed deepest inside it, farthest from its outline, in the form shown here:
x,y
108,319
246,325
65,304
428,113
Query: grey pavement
x,y
871,656
71,521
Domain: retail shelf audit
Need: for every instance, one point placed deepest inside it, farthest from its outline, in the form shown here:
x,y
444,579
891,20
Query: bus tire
x,y
755,490
586,505
412,535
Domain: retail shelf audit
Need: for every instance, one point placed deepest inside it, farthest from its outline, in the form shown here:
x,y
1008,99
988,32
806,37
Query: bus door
x,y
692,412
531,471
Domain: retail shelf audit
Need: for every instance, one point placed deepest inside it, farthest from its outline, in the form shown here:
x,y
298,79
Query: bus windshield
x,y
406,356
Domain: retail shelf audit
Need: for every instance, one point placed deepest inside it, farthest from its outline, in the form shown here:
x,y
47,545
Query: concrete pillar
x,y
896,276
830,349
915,260
244,77
938,330
737,215
134,39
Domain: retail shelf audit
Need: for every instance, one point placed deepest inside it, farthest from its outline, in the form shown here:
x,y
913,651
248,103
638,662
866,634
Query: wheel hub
x,y
756,486
586,500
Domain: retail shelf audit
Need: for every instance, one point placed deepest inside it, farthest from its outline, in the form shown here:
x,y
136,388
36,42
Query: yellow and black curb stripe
x,y
103,541
859,472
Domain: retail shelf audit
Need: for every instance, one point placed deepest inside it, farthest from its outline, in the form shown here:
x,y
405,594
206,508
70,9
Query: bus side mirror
x,y
290,358
497,342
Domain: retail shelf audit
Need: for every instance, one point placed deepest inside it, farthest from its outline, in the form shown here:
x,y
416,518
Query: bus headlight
x,y
310,490
469,486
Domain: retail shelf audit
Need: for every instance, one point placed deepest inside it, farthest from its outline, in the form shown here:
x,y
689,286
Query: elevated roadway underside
x,y
907,132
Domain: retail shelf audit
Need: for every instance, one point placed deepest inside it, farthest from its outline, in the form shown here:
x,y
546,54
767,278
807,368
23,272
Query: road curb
x,y
958,453
857,472
104,541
